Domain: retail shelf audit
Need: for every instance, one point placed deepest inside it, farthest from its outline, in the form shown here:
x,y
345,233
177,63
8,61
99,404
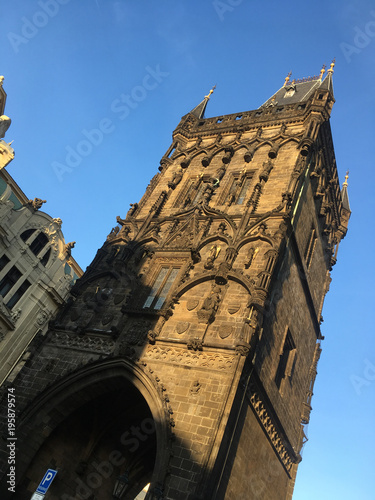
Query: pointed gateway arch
x,y
199,317
103,421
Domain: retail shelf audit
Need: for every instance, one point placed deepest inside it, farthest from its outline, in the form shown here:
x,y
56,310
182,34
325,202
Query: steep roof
x,y
300,90
199,110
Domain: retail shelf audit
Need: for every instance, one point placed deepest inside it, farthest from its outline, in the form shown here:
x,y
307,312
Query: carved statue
x,y
113,233
68,248
176,179
212,256
210,305
36,203
250,256
5,122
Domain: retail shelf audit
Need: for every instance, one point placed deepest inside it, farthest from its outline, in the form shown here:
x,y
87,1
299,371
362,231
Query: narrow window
x,y
9,280
286,365
19,292
309,252
199,193
45,257
243,191
3,261
163,283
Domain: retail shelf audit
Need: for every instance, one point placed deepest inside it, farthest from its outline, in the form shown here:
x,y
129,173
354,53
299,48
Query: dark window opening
x,y
287,360
3,261
9,280
26,234
173,149
45,257
162,284
18,294
320,96
38,243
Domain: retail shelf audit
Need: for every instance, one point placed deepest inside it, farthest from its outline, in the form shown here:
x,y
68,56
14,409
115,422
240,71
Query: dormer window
x,y
290,91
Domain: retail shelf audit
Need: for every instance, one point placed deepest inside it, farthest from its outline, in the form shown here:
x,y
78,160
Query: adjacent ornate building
x,y
187,353
36,267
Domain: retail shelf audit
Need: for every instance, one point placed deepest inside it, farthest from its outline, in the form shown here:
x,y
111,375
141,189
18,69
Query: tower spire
x,y
199,110
344,193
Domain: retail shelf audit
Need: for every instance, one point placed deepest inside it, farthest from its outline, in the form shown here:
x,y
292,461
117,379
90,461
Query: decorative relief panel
x,y
191,358
87,343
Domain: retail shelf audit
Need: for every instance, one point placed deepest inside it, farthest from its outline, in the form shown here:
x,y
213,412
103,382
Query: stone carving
x,y
250,256
195,344
234,307
5,122
151,336
113,233
184,357
191,304
195,387
212,256
242,348
42,317
36,203
210,305
16,314
137,332
182,327
68,248
176,178
225,331
86,343
270,427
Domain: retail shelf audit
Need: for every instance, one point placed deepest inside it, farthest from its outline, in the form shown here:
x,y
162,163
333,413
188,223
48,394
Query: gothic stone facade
x,y
187,353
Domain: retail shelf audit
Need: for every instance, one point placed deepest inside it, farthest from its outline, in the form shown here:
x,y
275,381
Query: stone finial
x,y
1,81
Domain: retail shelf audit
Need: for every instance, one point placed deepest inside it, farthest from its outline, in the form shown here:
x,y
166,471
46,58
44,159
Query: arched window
x,y
37,244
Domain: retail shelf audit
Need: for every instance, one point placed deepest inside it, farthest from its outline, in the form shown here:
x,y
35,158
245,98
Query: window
x,y
309,252
3,261
18,294
9,280
162,284
245,185
287,360
38,243
238,189
26,234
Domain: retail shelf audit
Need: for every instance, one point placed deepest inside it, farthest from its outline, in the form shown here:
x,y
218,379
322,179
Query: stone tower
x,y
187,354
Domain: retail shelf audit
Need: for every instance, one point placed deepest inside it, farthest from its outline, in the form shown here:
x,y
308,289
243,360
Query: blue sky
x,y
70,67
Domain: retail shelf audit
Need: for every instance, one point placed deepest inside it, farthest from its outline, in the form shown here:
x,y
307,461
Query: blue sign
x,y
45,483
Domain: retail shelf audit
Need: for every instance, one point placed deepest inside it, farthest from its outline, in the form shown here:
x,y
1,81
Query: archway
x,y
103,429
